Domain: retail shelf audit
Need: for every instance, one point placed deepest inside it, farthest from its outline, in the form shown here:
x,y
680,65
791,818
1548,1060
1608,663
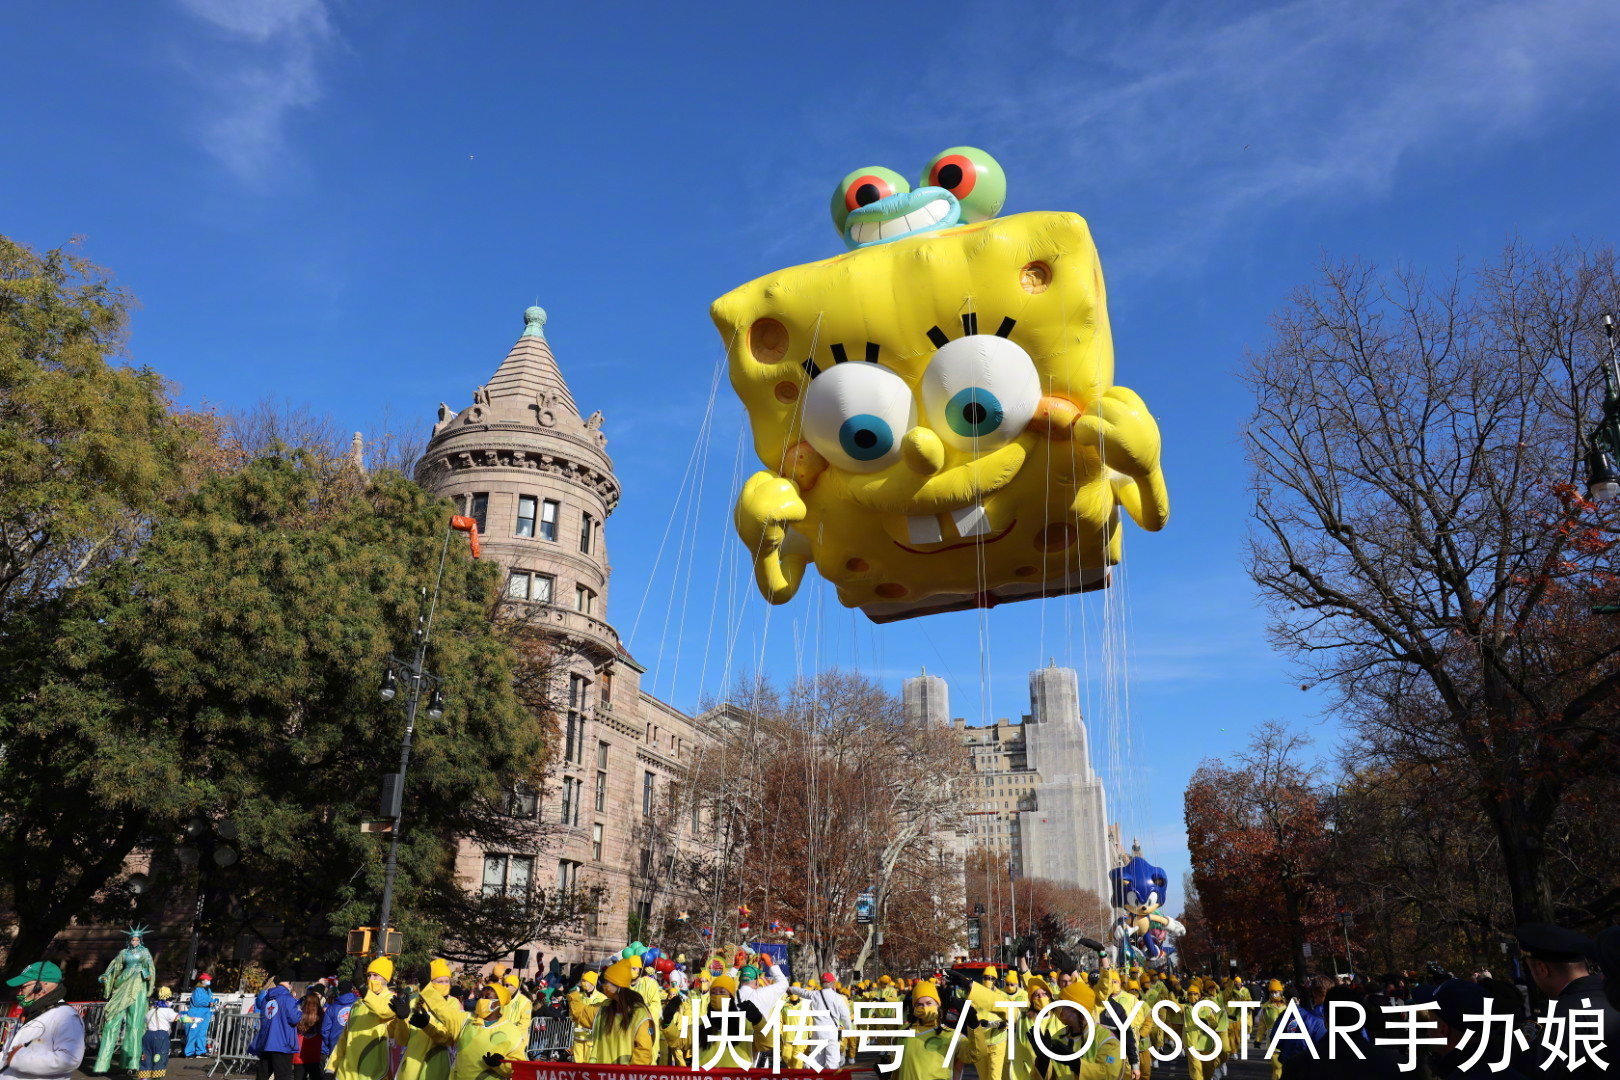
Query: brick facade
x,y
522,459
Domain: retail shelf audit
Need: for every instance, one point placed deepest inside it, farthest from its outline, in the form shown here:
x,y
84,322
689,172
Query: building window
x,y
542,587
527,505
479,510
508,875
605,685
570,804
567,874
574,738
596,841
601,792
521,803
601,755
522,585
548,520
646,794
587,533
584,600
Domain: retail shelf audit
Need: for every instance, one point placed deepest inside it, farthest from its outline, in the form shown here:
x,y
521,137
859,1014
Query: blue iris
x,y
974,412
866,437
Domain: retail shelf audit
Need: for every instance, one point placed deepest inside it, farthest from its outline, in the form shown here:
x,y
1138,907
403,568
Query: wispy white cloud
x,y
1185,120
260,66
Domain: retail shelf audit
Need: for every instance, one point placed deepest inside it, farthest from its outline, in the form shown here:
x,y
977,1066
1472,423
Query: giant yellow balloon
x,y
936,408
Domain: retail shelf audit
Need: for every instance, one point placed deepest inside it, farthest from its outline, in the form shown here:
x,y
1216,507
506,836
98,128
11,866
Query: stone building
x,y
534,473
1037,799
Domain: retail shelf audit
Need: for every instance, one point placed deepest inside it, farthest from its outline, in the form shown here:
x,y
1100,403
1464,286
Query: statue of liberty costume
x,y
127,982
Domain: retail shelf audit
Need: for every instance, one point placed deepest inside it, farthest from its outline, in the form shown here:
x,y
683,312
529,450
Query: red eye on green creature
x,y
863,187
974,177
867,189
955,173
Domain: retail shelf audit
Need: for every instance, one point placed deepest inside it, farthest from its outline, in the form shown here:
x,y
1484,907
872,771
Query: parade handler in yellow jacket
x,y
430,1028
625,1031
583,1003
362,1050
486,1045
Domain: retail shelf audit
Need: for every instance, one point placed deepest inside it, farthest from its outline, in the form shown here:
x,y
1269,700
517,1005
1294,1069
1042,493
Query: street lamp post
x,y
417,680
1603,441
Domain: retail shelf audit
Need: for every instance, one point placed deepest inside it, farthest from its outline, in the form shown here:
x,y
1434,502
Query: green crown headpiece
x,y
138,932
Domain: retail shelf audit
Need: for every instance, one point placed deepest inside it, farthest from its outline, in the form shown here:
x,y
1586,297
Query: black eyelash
x,y
839,356
970,323
937,336
811,368
1006,327
871,352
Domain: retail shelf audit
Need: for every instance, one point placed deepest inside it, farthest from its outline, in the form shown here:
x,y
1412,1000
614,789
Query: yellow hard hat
x,y
620,973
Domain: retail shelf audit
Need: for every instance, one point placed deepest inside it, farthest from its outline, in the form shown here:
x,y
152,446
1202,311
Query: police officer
x,y
1557,964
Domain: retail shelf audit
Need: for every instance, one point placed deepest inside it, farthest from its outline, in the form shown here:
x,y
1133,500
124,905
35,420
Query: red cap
x,y
827,976
205,977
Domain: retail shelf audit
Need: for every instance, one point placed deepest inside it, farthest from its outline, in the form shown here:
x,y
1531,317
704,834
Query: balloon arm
x,y
768,504
1149,508
1122,431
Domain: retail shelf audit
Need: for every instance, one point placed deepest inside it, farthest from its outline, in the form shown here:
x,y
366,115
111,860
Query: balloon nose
x,y
923,451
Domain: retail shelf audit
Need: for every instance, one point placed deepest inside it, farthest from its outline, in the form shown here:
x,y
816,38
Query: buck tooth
x,y
924,529
970,521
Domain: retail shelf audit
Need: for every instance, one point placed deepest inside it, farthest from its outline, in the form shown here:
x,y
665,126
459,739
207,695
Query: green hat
x,y
749,971
44,971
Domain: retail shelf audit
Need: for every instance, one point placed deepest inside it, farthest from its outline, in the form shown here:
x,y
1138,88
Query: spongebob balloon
x,y
935,408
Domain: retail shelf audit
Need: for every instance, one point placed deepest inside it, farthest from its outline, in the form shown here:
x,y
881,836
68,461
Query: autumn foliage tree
x,y
1257,831
1038,915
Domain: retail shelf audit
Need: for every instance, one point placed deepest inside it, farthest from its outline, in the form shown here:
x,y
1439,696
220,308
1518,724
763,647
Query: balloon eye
x,y
980,392
973,177
867,190
955,173
855,413
866,437
974,412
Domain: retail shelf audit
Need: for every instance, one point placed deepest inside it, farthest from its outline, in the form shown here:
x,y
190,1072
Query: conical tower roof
x,y
530,369
523,417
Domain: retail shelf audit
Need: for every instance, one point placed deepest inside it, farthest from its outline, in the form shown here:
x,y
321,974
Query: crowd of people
x,y
745,1012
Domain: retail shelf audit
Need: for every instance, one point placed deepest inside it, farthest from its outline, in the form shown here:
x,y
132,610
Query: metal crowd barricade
x,y
230,1035
8,1028
549,1036
93,1013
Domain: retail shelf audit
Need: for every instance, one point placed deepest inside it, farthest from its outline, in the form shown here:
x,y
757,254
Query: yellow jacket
x,y
633,1043
427,1049
362,1050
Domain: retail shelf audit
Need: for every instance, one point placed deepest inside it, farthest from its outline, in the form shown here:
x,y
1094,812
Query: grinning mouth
x,y
926,216
976,541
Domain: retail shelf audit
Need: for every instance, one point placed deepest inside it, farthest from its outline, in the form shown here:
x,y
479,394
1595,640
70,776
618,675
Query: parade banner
x,y
778,953
564,1070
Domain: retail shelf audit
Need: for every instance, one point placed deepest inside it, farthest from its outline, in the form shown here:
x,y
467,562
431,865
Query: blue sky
x,y
347,205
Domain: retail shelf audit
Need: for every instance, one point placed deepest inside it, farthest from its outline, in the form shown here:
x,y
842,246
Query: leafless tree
x,y
1421,534
816,793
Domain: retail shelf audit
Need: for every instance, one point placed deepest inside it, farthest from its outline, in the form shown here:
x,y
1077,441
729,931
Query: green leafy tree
x,y
231,671
89,448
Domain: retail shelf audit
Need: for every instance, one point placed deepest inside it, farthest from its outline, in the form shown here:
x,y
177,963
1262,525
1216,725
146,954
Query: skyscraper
x,y
1036,798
